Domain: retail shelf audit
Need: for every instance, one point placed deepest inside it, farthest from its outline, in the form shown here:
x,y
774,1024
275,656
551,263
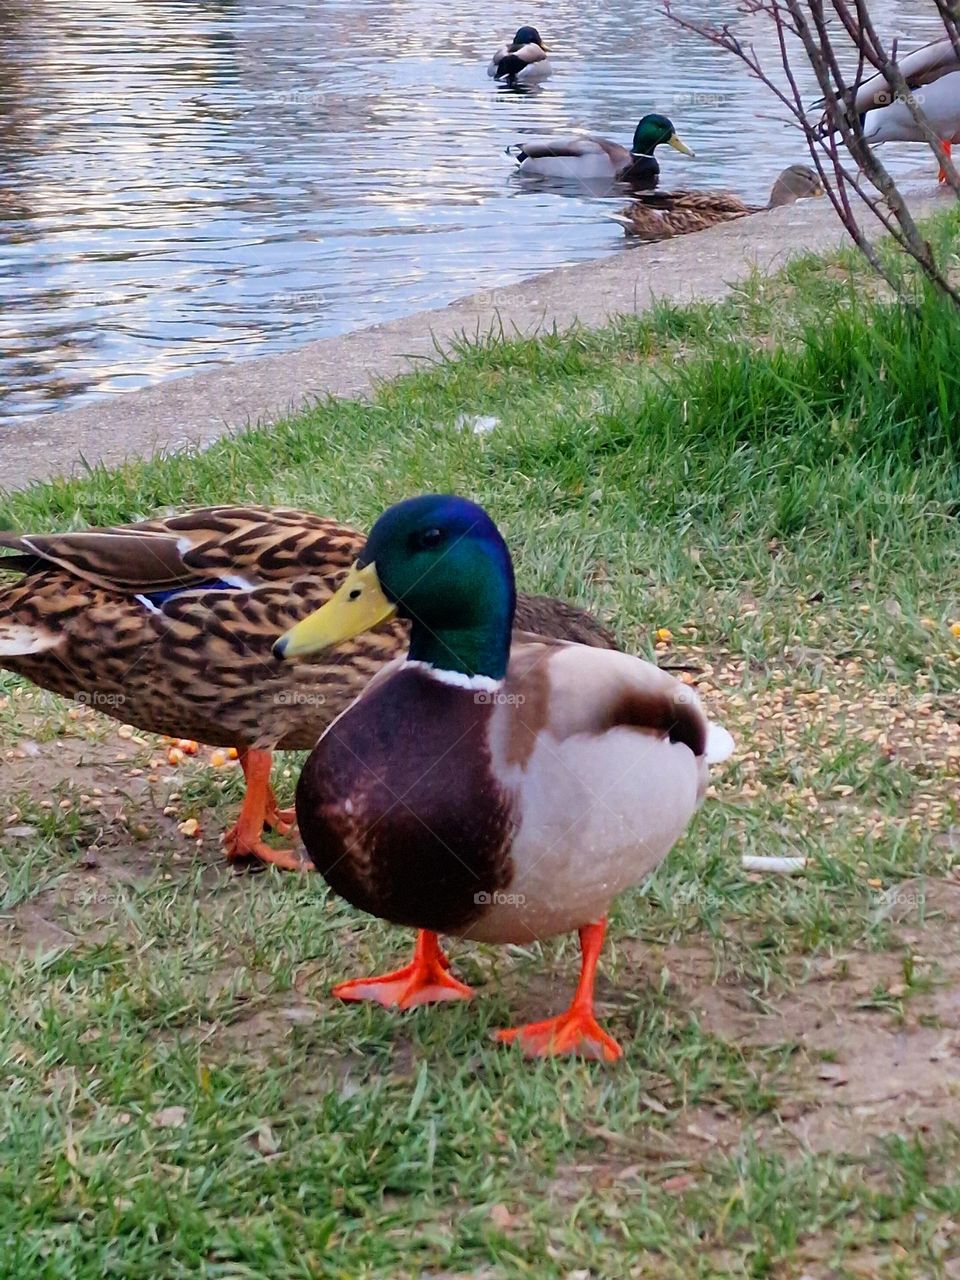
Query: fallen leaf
x,y
696,1132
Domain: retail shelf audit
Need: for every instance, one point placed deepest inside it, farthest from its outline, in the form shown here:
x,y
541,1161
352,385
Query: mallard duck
x,y
168,625
522,61
489,786
589,156
658,215
932,73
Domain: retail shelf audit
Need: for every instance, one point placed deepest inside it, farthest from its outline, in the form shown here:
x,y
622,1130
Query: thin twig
x,y
840,131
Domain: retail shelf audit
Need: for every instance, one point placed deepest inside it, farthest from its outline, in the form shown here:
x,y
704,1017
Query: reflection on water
x,y
189,181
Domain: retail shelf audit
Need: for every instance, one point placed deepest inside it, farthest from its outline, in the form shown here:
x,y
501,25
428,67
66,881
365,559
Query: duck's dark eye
x,y
427,539
355,594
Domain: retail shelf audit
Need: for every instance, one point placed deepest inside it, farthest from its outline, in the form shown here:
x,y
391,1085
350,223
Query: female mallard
x,y
168,625
658,215
587,156
932,73
495,791
522,61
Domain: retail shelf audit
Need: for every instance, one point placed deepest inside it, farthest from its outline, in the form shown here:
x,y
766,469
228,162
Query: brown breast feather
x,y
399,809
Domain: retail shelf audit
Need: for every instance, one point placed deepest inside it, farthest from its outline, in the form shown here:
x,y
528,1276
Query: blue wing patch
x,y
155,600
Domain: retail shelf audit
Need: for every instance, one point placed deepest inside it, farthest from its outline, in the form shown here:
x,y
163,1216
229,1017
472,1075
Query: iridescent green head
x,y
440,561
652,132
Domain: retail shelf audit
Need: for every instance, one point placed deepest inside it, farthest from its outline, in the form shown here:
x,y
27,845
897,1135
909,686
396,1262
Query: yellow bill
x,y
357,605
681,146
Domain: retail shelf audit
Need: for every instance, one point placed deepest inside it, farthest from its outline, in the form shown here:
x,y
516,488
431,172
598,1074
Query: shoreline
x,y
196,409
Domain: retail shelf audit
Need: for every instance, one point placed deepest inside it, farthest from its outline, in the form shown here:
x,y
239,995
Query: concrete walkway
x,y
195,410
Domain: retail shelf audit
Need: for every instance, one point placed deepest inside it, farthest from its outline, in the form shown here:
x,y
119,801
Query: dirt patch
x,y
107,802
871,1039
877,1052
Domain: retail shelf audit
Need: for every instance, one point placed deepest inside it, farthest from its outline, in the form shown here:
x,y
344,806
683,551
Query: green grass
x,y
774,478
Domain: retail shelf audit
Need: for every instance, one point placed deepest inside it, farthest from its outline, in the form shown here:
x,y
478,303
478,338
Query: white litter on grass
x,y
775,866
478,424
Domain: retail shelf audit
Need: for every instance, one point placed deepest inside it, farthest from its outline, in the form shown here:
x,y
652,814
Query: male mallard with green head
x,y
483,789
588,156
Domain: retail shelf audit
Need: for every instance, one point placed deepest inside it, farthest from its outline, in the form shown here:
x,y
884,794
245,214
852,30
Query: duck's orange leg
x,y
942,175
424,981
282,821
577,1030
245,838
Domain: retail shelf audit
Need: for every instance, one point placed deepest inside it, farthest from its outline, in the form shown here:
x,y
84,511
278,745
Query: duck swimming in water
x,y
521,61
589,156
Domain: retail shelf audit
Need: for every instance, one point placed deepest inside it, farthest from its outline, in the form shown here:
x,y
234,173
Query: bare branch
x,y
838,137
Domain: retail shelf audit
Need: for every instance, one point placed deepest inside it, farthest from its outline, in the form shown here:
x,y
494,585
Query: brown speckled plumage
x,y
661,215
202,666
199,664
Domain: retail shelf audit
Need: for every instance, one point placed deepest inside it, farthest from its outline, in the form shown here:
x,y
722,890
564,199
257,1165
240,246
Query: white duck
x,y
932,73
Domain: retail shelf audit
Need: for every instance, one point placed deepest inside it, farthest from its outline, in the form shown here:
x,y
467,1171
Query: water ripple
x,y
187,183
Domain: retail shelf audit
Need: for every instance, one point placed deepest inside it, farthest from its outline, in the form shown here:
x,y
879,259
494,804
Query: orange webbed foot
x,y
575,1032
237,849
259,809
282,821
425,980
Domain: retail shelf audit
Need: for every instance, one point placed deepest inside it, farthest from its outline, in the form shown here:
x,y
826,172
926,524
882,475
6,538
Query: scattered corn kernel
x,y
664,634
174,755
190,827
218,759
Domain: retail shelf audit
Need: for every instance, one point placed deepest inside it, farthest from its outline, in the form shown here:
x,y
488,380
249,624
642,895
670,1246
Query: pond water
x,y
184,183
